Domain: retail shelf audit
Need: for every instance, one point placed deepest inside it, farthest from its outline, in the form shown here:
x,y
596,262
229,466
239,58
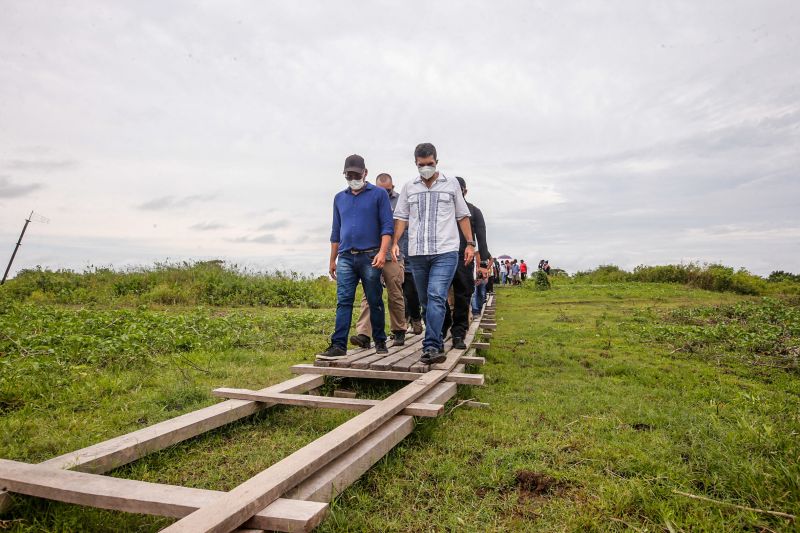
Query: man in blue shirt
x,y
360,235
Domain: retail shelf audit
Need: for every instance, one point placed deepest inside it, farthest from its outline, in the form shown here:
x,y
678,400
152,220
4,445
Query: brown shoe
x,y
416,327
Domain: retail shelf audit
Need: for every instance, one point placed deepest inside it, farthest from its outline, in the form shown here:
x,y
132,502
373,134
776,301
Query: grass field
x,y
605,399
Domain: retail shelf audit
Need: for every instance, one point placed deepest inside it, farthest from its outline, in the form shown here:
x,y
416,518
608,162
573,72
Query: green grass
x,y
598,412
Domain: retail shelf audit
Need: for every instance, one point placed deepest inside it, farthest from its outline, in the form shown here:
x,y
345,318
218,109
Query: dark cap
x,y
354,163
462,182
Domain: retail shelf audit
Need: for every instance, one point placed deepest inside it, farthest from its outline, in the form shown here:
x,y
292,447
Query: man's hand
x,y
332,269
395,252
469,254
379,260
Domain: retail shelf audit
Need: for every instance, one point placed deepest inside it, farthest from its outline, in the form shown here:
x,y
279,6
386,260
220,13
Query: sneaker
x,y
431,356
416,327
380,347
360,340
333,352
458,343
399,338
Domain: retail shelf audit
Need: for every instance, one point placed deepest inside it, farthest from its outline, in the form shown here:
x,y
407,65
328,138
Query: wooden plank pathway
x,y
291,495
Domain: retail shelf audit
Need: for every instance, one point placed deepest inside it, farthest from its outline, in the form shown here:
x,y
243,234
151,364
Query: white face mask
x,y
356,185
427,172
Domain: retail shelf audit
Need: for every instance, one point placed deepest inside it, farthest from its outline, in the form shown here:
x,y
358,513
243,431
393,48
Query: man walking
x,y
360,235
393,277
464,279
433,209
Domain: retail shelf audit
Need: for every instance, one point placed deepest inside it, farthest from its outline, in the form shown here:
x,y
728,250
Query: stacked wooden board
x,y
292,494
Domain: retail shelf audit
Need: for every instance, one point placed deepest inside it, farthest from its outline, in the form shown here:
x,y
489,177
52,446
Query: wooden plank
x,y
387,362
370,352
472,360
489,326
124,449
121,450
340,473
238,505
147,498
480,345
352,404
392,375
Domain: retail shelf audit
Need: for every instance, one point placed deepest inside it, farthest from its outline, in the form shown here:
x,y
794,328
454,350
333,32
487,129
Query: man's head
x,y
463,185
355,171
426,160
384,181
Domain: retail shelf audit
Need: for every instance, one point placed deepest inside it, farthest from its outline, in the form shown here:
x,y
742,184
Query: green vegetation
x,y
203,283
710,277
605,398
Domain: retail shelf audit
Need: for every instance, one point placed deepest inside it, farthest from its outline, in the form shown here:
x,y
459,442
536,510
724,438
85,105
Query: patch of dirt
x,y
640,426
536,484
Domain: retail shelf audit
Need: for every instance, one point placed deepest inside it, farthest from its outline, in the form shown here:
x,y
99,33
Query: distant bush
x,y
603,274
541,280
202,283
712,277
780,275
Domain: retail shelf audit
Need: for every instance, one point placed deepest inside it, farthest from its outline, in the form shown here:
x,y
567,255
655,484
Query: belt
x,y
371,250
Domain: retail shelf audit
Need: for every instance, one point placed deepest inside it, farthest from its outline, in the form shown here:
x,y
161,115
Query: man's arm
x,y
332,265
466,229
387,229
399,229
336,226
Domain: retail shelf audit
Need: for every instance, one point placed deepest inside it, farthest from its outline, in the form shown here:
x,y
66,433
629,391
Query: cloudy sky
x,y
628,132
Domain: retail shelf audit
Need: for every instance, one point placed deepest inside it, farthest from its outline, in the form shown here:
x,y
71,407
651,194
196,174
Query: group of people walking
x,y
421,243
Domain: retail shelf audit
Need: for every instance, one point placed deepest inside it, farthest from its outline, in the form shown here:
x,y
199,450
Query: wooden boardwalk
x,y
294,493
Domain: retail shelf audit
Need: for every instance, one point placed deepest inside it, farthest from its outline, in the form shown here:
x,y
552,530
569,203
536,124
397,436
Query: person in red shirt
x,y
523,269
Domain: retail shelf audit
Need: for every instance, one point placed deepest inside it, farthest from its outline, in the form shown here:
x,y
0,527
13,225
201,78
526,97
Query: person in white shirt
x,y
433,208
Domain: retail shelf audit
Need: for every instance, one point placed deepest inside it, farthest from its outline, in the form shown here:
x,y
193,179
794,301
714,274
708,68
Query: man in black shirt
x,y
464,279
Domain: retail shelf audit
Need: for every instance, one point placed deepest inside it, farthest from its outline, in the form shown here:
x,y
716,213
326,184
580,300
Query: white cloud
x,y
587,132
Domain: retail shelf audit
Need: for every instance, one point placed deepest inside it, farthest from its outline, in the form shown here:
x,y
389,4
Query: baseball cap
x,y
354,163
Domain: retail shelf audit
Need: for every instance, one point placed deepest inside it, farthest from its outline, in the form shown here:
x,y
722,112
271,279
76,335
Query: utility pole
x,y
19,243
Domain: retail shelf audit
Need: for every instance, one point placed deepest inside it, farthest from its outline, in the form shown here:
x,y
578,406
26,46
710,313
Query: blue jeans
x,y
350,269
478,298
433,275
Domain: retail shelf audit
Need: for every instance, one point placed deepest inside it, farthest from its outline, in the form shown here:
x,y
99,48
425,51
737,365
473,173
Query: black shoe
x,y
333,352
399,338
441,350
380,347
458,343
360,340
431,356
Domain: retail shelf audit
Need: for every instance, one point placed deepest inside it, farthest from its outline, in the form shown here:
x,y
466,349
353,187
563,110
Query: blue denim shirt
x,y
360,220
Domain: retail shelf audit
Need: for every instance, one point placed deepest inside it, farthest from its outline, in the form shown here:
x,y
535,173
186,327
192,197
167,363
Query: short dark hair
x,y
383,177
425,150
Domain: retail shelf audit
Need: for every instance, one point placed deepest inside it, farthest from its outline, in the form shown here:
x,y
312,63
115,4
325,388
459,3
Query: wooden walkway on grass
x,y
294,493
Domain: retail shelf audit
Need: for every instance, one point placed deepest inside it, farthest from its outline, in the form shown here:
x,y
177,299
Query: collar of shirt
x,y
441,177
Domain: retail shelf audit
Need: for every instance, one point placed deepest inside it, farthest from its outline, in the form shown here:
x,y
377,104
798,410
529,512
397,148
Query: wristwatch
x,y
471,243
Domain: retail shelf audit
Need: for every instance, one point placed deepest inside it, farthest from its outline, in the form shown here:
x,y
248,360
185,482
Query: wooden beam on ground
x,y
472,360
352,404
336,476
480,345
115,452
488,325
454,377
143,497
238,505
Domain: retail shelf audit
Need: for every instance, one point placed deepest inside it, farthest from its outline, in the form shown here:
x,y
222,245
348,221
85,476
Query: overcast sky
x,y
588,132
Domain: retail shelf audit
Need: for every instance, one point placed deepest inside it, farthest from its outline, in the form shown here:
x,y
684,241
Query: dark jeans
x,y
479,298
410,294
350,269
432,276
463,287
